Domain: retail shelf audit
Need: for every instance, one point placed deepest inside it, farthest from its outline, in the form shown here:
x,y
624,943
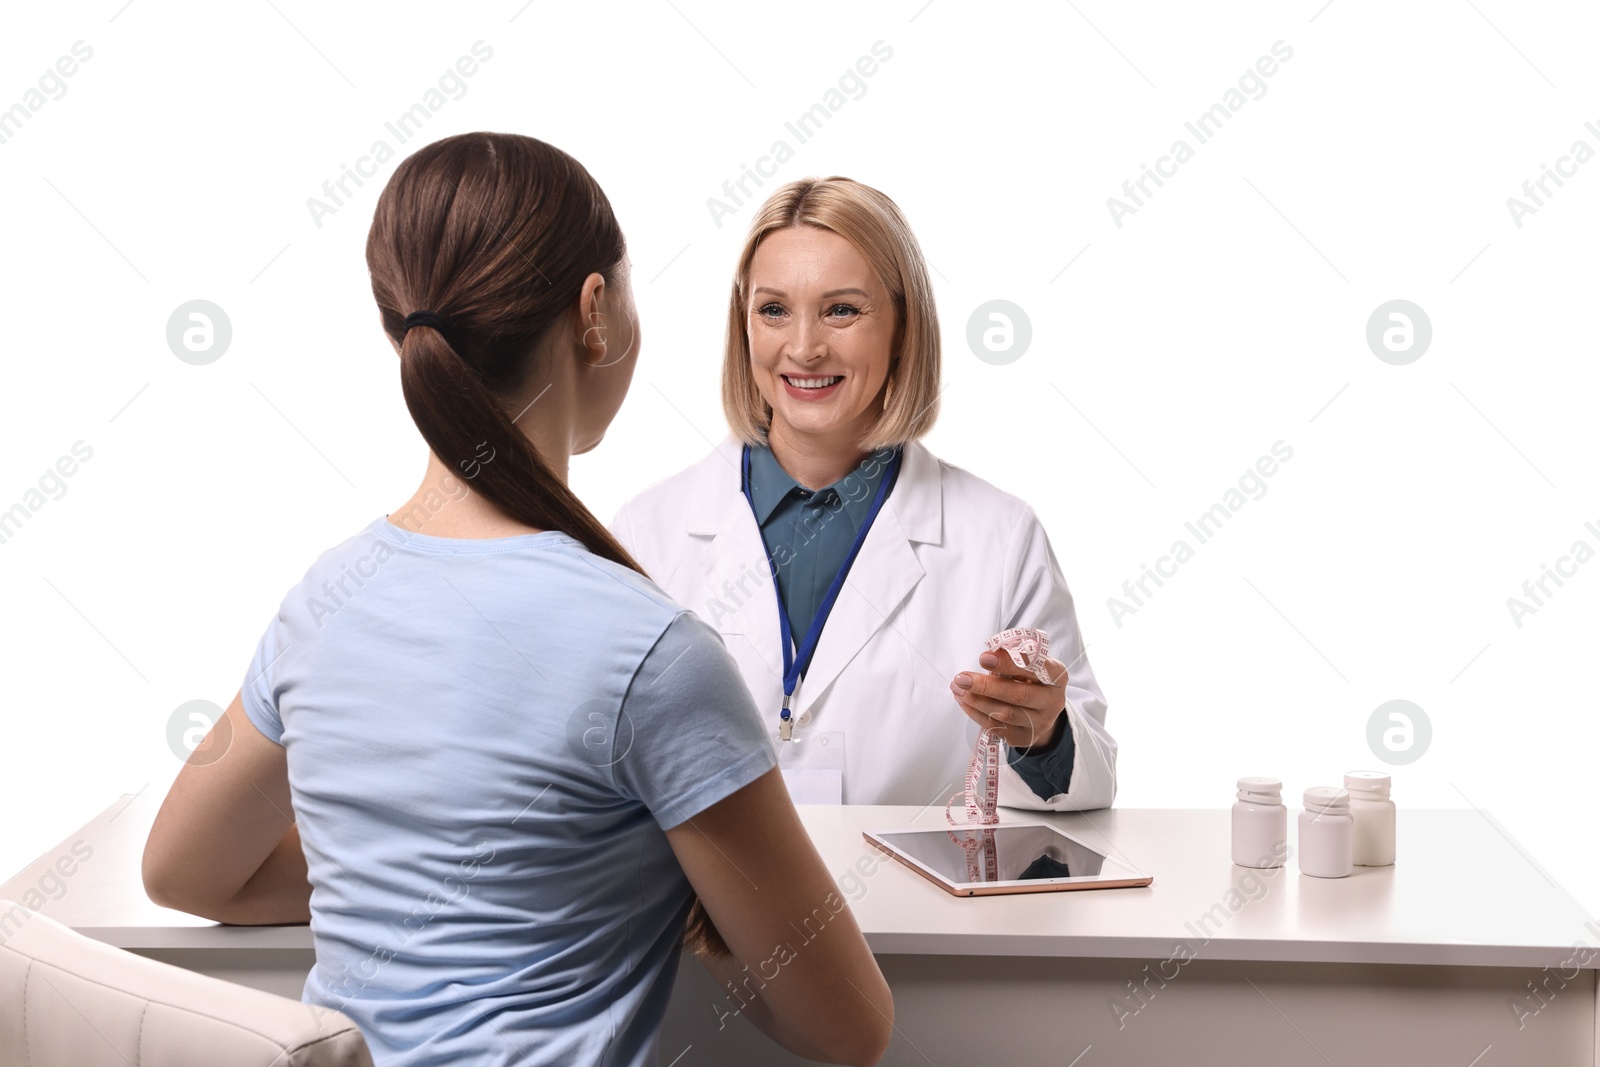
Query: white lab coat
x,y
949,561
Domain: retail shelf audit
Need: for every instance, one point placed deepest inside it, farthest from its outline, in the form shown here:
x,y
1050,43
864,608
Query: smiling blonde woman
x,y
852,574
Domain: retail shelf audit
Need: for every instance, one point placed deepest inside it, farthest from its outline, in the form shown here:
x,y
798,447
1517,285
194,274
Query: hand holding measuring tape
x,y
1024,706
1027,657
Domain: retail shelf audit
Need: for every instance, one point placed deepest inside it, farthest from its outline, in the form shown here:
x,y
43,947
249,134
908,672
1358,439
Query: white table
x,y
1431,961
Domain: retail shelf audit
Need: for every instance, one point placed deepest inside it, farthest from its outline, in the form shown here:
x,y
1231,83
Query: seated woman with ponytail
x,y
488,760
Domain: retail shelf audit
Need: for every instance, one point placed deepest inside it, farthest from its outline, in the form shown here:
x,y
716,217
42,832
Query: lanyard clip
x,y
785,721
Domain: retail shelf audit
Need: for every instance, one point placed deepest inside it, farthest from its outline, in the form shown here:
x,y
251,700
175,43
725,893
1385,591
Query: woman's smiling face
x,y
822,334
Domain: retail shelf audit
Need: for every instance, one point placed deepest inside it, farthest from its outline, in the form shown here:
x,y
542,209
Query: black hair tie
x,y
422,318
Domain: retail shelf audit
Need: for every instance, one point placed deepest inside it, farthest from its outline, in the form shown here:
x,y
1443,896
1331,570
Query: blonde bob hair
x,y
871,222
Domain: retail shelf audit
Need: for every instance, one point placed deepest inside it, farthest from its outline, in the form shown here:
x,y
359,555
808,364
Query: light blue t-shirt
x,y
486,740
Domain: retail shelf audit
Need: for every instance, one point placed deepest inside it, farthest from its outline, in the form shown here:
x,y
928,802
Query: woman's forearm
x,y
742,996
741,999
277,892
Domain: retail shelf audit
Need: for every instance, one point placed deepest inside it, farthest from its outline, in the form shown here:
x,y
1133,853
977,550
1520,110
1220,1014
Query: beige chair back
x,y
69,1001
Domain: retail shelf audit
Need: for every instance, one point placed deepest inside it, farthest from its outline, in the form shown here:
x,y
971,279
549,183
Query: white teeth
x,y
813,383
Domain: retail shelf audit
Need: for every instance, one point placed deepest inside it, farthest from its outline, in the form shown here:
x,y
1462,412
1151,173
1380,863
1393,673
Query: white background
x,y
1227,314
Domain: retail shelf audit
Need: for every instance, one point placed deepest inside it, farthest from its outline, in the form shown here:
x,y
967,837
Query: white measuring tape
x,y
1030,650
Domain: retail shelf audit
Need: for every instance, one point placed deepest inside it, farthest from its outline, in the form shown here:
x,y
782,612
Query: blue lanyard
x,y
796,661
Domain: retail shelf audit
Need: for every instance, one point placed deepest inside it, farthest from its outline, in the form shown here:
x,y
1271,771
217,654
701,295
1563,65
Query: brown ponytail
x,y
495,233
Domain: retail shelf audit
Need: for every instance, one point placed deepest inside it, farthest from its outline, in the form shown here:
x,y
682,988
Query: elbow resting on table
x,y
863,1045
872,1051
170,884
864,1041
170,889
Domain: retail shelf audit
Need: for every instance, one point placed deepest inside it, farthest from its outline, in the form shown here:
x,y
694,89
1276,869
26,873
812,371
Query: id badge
x,y
813,769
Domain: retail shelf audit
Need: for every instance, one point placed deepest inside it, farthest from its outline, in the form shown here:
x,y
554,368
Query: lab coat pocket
x,y
813,767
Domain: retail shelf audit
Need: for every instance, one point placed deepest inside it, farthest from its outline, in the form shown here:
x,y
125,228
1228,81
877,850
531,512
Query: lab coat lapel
x,y
884,573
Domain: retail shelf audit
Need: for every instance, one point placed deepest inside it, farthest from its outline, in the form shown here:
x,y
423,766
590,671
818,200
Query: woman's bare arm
x,y
224,844
800,969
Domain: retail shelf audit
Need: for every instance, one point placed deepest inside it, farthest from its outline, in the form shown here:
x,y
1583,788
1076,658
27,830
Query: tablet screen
x,y
1020,853
975,855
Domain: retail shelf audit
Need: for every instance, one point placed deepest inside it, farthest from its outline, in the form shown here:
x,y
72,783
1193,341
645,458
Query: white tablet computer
x,y
974,861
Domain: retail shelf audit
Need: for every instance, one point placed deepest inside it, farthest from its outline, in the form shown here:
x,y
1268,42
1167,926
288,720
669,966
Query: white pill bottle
x,y
1326,833
1373,814
1260,824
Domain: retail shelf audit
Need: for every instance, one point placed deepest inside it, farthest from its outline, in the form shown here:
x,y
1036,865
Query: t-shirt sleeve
x,y
691,729
258,694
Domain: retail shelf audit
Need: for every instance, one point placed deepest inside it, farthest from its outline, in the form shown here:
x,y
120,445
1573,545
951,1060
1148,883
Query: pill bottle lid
x,y
1261,790
1367,785
1327,799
